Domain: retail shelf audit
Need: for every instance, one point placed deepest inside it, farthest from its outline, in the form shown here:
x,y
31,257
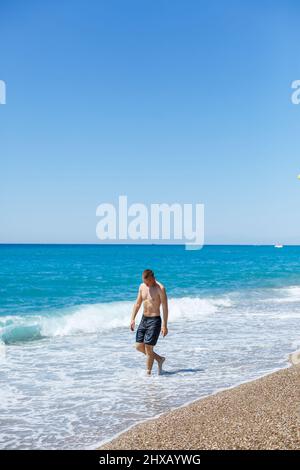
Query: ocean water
x,y
69,375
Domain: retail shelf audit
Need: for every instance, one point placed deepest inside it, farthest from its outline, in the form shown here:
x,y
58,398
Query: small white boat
x,y
278,245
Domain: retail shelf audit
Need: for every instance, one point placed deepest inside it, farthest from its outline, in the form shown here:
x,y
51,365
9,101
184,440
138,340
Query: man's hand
x,y
136,308
164,330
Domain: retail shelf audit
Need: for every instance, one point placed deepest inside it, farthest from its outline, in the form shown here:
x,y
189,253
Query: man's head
x,y
148,277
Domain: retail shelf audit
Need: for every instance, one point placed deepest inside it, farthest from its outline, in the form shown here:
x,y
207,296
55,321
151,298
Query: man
x,y
153,294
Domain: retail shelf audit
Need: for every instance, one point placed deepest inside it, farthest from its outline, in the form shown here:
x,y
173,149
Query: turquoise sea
x,y
69,375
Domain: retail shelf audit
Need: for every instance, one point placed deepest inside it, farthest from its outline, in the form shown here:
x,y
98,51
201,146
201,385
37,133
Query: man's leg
x,y
141,347
150,357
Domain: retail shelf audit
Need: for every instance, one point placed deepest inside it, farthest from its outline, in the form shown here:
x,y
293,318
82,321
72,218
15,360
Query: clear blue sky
x,y
165,101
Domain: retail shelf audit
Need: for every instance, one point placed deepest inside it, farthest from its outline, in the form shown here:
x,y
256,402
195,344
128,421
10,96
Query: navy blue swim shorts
x,y
148,330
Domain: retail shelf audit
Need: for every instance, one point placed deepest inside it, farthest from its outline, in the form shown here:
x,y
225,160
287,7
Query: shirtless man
x,y
153,294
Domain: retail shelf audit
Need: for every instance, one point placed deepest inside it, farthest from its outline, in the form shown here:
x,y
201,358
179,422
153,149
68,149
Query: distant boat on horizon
x,y
278,245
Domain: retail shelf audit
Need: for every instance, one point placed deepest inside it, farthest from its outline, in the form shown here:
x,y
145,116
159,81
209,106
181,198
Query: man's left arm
x,y
164,301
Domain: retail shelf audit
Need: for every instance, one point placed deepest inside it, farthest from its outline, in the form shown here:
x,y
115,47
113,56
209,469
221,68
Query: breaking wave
x,y
96,318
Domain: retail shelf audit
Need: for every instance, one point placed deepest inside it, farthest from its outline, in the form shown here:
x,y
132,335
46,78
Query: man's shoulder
x,y
160,286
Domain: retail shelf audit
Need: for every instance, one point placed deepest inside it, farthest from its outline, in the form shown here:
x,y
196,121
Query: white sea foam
x,y
2,350
288,294
100,317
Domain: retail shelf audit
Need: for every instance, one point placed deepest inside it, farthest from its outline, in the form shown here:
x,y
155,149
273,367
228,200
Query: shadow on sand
x,y
179,371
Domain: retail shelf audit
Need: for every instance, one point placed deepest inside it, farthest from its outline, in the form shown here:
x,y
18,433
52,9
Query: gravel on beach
x,y
261,414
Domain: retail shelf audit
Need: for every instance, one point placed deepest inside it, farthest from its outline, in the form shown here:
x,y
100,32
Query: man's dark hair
x,y
148,273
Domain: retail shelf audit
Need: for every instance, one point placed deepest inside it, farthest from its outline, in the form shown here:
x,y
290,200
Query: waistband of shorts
x,y
157,317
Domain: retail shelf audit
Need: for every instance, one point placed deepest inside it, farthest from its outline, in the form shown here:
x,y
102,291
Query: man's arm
x,y
164,302
136,308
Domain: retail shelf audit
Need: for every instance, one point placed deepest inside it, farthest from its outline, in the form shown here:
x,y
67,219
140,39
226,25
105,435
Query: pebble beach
x,y
261,414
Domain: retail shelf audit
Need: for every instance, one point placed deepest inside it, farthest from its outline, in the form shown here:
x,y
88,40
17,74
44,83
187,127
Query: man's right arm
x,y
136,308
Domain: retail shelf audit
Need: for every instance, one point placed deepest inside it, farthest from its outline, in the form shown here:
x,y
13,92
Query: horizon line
x,y
137,244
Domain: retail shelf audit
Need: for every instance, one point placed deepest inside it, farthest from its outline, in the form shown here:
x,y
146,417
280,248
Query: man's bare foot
x,y
160,363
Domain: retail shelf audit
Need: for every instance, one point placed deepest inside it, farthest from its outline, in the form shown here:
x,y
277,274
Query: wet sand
x,y
261,414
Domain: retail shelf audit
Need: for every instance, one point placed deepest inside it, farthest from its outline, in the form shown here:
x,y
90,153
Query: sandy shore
x,y
262,414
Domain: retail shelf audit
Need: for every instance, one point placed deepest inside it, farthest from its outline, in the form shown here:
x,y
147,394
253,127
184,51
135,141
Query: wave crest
x,y
96,318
